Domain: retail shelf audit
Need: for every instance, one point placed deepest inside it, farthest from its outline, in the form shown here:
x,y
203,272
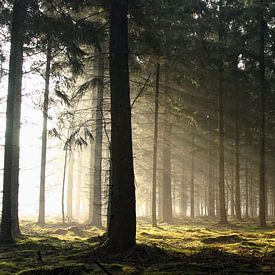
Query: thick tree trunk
x,y
11,165
192,182
155,153
15,172
41,216
262,187
97,209
223,217
70,187
121,232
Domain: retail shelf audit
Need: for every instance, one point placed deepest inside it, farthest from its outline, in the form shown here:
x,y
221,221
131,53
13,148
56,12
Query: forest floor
x,y
186,247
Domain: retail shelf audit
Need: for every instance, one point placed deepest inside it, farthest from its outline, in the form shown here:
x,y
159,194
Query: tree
x,y
155,153
262,110
97,209
41,217
11,158
121,231
223,218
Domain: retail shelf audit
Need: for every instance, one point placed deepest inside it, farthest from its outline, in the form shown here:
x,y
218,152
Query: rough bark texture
x,y
121,231
155,153
11,165
97,210
41,216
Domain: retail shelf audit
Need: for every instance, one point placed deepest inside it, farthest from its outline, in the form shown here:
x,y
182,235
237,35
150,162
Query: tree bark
x,y
70,187
192,182
97,209
167,192
237,161
121,232
78,186
41,216
246,190
211,200
262,187
11,165
223,217
154,186
63,186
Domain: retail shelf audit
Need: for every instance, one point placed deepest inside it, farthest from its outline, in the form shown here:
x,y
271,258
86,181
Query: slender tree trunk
x,y
246,190
223,217
167,191
121,231
211,200
232,197
78,186
63,186
11,166
41,216
97,209
262,187
155,153
183,197
192,182
237,161
70,188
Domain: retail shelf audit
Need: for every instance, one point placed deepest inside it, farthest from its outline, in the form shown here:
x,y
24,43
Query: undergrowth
x,y
186,247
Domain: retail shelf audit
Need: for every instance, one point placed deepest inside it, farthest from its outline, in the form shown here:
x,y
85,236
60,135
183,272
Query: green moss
x,y
183,248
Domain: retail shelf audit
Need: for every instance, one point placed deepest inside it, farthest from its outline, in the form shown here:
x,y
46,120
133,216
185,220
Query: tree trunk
x,y
237,161
97,209
246,190
183,197
121,232
262,187
211,200
154,186
11,165
223,217
78,186
232,197
192,182
70,188
63,186
41,216
167,192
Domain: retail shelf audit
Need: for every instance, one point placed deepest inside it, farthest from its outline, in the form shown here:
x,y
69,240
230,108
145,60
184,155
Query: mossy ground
x,y
187,247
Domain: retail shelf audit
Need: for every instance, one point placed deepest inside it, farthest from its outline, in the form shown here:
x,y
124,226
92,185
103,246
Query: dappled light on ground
x,y
186,248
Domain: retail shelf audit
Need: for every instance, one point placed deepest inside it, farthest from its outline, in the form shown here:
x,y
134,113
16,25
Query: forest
x,y
137,136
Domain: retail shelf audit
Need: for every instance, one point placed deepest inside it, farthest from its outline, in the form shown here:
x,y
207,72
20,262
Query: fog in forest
x,y
137,137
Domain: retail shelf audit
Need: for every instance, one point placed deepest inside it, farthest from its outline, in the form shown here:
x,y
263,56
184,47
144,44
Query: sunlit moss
x,y
161,250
